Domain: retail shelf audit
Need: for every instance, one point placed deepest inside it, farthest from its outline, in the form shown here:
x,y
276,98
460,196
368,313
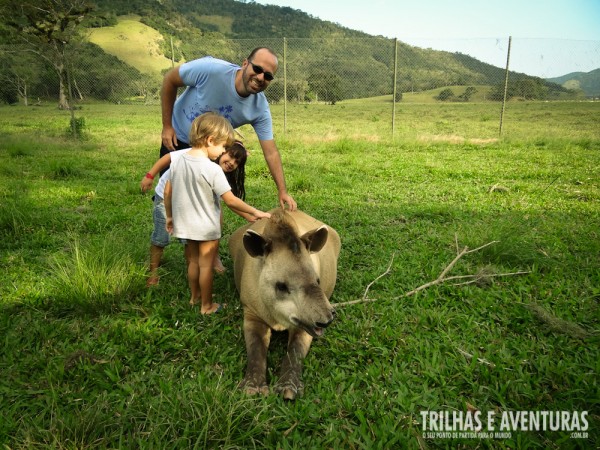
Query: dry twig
x,y
443,276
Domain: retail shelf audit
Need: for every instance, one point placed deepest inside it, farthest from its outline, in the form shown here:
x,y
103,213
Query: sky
x,y
550,38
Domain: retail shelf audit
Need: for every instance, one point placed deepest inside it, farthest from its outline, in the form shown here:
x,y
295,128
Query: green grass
x,y
90,358
476,123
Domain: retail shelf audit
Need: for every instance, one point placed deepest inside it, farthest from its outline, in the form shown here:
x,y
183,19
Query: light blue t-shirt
x,y
211,87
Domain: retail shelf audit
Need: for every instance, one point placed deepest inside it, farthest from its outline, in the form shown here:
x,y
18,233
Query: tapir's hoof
x,y
254,390
251,388
289,391
289,394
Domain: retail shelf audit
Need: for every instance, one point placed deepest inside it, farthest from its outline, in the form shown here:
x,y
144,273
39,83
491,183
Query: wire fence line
x,y
326,70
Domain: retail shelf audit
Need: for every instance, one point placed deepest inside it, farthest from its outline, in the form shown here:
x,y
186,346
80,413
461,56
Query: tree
x,y
326,85
19,75
466,96
527,88
48,28
275,92
530,89
297,89
445,94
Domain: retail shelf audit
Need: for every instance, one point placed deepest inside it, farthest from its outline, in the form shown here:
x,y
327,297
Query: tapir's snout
x,y
326,324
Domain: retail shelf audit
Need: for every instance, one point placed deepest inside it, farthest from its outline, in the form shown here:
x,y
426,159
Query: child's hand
x,y
261,215
169,225
146,184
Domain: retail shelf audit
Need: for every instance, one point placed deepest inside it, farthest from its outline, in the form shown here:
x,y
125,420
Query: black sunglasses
x,y
258,70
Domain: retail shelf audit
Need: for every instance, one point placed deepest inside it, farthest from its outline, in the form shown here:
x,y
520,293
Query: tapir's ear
x,y
255,244
315,239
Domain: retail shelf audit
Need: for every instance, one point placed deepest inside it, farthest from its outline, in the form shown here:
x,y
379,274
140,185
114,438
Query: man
x,y
234,92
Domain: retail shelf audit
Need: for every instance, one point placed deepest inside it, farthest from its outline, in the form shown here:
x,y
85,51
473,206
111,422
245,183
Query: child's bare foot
x,y
197,301
152,280
214,308
219,267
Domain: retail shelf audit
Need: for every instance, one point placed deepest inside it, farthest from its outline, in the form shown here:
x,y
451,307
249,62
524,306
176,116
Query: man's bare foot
x,y
214,308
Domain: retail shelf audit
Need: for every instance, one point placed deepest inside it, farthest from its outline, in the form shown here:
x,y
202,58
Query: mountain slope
x,y
321,55
588,82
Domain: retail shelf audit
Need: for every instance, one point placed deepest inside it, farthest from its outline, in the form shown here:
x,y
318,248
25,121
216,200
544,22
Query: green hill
x,y
325,50
588,82
131,42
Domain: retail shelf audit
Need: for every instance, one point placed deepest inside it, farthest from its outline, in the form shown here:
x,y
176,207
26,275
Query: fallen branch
x,y
380,276
442,278
479,277
365,299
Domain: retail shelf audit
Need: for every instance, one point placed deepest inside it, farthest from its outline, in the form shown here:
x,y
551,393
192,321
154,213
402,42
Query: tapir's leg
x,y
257,335
290,380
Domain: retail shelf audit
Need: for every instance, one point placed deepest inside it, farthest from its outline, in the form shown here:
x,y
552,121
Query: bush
x,y
445,95
76,126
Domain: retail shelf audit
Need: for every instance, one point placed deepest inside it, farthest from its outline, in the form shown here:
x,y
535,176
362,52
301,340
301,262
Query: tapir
x,y
285,270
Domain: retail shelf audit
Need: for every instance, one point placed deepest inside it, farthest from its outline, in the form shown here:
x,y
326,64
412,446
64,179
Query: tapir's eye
x,y
282,288
318,281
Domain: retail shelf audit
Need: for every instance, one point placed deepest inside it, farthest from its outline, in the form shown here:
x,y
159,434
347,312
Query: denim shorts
x,y
159,236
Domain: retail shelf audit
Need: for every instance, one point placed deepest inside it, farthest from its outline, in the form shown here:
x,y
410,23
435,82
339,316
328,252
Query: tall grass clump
x,y
95,274
63,169
12,220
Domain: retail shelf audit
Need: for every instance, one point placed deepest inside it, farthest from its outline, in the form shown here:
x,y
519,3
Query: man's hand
x,y
169,138
284,198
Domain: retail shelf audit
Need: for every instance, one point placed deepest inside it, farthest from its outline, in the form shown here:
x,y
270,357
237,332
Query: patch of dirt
x,y
454,139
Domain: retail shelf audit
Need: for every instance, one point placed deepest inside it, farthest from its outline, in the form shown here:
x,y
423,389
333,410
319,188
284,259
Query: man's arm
x,y
168,93
273,159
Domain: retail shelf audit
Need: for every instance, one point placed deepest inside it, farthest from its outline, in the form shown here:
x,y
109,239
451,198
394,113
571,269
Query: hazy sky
x,y
549,37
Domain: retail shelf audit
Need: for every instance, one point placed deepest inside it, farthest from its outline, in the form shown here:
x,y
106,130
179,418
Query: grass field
x,y
91,358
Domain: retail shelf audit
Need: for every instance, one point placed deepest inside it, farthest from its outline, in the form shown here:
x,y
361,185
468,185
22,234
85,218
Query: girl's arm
x,y
159,165
168,206
239,206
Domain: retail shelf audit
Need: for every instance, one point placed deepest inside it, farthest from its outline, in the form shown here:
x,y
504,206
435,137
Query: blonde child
x,y
193,207
232,162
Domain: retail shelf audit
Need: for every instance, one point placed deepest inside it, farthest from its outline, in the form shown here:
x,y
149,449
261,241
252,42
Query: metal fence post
x,y
394,89
505,85
284,85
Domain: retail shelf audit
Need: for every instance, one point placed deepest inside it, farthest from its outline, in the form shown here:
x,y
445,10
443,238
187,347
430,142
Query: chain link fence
x,y
331,71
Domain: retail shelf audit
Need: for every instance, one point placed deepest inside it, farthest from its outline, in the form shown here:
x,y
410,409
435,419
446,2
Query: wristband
x,y
148,175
